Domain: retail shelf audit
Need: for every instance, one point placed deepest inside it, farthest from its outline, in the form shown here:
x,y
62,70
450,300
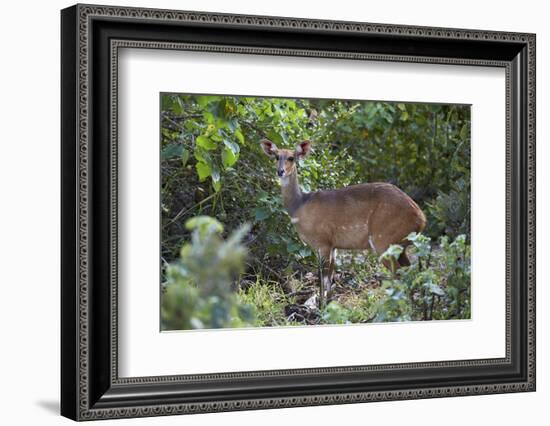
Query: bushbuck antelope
x,y
369,216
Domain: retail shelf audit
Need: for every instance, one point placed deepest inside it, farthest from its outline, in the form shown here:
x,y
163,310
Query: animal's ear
x,y
269,147
302,149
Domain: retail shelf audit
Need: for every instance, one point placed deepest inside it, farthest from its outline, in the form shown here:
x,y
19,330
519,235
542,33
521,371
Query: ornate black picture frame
x,y
91,36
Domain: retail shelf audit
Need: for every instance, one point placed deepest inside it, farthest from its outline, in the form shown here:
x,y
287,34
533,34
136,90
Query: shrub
x,y
449,213
435,286
198,292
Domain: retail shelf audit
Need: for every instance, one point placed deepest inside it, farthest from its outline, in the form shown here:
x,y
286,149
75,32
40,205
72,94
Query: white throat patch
x,y
284,180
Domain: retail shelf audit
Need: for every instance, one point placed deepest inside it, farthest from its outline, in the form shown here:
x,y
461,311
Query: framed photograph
x,y
263,212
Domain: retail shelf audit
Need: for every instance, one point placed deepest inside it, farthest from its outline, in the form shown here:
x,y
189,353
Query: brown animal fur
x,y
369,216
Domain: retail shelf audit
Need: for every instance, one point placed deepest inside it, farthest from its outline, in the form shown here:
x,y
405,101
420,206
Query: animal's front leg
x,y
323,259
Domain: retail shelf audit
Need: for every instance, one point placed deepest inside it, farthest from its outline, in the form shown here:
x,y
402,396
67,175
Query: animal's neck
x,y
292,194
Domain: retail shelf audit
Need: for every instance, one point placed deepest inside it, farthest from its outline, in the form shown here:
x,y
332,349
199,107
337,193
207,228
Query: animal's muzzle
x,y
280,172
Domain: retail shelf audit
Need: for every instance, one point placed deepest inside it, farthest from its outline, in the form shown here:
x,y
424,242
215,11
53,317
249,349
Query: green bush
x,y
199,290
449,213
435,286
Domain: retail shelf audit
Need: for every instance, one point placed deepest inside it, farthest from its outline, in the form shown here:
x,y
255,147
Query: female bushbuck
x,y
368,216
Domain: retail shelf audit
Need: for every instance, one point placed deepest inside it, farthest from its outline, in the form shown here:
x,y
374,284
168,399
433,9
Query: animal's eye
x,y
290,158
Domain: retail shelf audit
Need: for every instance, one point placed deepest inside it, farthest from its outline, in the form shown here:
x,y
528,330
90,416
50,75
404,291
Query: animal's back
x,y
370,215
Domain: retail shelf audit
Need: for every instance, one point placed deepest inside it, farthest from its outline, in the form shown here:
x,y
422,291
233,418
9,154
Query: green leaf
x,y
275,137
305,252
232,124
170,151
208,117
215,174
201,155
435,289
228,158
393,250
293,247
205,142
204,170
412,236
184,157
232,146
239,136
217,185
262,196
216,136
261,214
216,182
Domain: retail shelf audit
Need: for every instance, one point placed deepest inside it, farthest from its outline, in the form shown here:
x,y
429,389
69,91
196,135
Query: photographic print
x,y
304,212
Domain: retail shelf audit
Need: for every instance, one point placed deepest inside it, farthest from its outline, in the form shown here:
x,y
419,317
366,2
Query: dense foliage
x,y
435,286
212,164
199,290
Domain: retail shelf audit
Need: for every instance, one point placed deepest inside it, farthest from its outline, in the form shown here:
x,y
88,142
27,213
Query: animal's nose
x,y
280,172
